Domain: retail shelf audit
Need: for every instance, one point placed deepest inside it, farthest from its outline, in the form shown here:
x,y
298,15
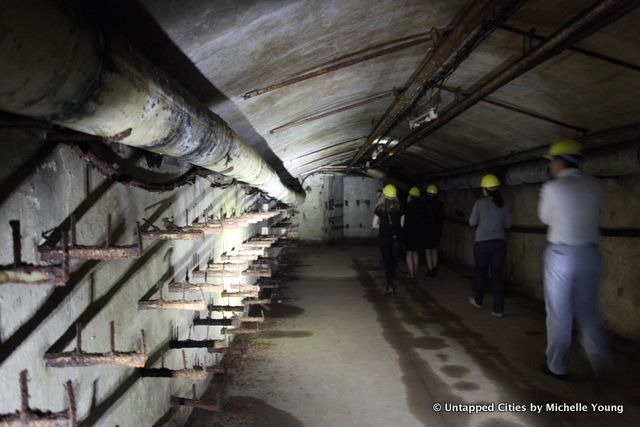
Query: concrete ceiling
x,y
220,50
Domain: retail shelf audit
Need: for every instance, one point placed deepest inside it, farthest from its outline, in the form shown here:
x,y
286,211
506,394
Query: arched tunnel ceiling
x,y
229,48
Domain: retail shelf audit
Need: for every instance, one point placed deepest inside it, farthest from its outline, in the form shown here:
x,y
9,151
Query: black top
x,y
434,213
389,222
414,224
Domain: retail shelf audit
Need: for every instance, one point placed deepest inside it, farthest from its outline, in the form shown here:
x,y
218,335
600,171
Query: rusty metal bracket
x,y
260,241
27,416
217,345
240,330
171,232
181,304
197,372
194,402
27,274
243,255
229,321
226,308
259,270
249,293
106,252
79,358
187,286
268,283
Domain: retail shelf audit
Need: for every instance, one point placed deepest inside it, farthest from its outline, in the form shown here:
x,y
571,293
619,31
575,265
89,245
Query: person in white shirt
x,y
570,205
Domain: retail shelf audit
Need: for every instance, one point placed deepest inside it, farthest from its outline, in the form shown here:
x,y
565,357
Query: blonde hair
x,y
388,203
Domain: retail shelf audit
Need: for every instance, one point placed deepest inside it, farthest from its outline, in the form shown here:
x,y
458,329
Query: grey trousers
x,y
571,278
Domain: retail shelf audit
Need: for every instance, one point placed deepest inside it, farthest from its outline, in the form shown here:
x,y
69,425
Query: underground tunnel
x,y
319,213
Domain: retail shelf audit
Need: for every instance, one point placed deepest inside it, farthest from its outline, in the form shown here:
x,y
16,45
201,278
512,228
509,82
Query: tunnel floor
x,y
338,353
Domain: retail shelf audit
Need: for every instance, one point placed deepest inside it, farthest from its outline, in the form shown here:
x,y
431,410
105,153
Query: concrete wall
x,y
46,185
338,207
620,289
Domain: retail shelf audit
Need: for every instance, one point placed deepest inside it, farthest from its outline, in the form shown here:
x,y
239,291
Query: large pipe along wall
x,y
69,72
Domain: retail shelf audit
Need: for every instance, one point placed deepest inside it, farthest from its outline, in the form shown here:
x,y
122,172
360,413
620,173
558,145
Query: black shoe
x,y
431,273
545,370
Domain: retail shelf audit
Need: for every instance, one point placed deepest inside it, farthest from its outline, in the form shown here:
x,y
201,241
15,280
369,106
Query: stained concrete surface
x,y
45,184
349,356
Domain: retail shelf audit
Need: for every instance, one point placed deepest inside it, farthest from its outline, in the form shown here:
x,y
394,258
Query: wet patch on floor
x,y
280,311
466,386
455,371
430,343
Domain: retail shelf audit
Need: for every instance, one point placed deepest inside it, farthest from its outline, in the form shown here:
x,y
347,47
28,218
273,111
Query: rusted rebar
x,y
189,343
37,418
163,304
27,274
194,402
195,287
80,358
106,252
171,232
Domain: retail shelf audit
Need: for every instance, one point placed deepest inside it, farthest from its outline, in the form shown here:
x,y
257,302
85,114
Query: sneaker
x,y
497,314
545,370
473,302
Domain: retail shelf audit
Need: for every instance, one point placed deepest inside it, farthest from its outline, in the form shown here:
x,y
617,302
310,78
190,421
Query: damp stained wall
x,y
48,184
619,299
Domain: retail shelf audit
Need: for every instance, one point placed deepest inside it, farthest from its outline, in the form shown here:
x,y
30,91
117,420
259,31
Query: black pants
x,y
388,260
489,256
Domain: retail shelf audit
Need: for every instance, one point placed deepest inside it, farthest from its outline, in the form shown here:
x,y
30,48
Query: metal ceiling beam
x,y
466,22
517,109
325,114
387,48
600,56
336,158
589,21
331,148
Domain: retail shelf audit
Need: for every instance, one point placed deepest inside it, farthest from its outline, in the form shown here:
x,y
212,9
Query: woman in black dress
x,y
386,220
414,230
434,215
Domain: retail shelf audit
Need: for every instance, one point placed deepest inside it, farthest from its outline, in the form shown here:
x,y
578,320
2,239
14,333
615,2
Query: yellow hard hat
x,y
390,191
490,181
432,189
414,191
564,147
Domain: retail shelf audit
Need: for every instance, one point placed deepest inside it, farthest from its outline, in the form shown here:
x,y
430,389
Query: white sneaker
x,y
473,302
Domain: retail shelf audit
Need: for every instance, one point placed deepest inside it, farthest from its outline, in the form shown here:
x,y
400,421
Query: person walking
x,y
386,220
491,218
434,215
570,205
414,230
